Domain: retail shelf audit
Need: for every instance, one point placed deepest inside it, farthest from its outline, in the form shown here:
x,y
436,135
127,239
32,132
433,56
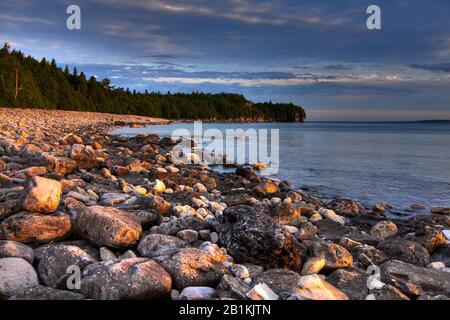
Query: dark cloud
x,y
438,67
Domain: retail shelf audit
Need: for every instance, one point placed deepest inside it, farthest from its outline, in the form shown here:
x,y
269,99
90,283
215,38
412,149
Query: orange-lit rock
x,y
41,195
35,228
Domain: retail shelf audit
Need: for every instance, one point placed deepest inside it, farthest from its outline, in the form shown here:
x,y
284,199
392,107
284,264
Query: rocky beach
x,y
76,199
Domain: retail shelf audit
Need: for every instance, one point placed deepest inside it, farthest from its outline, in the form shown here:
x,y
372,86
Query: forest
x,y
27,82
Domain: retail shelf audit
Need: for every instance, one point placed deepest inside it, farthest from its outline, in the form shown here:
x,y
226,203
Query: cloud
x,y
25,19
438,67
336,67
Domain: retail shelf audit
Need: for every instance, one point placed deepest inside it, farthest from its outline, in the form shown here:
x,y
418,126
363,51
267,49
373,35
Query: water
x,y
396,163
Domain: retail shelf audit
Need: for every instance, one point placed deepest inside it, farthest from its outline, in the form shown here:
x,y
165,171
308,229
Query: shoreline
x,y
73,193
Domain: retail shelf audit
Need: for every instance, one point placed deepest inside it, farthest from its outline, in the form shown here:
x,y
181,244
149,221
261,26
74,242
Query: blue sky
x,y
318,54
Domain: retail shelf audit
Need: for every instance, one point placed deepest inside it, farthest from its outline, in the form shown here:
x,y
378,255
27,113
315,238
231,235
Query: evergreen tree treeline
x,y
26,82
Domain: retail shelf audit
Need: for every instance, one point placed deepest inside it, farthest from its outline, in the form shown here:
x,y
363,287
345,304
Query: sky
x,y
317,54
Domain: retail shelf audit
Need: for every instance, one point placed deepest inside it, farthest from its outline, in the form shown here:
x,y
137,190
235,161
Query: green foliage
x,y
26,82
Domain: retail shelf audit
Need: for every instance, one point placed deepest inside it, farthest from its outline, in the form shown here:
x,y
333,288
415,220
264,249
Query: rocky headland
x,y
137,226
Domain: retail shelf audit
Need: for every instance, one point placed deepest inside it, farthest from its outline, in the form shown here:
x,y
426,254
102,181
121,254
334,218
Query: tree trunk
x,y
18,86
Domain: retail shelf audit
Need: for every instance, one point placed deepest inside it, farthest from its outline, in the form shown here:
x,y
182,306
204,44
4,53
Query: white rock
x,y
437,265
261,292
198,293
446,234
240,271
290,229
375,284
330,214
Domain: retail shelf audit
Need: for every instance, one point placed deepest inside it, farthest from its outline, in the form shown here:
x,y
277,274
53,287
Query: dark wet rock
x,y
352,281
9,249
336,256
440,210
148,202
147,219
248,174
389,292
306,231
428,237
104,226
408,288
406,251
155,245
47,293
232,288
35,228
174,226
430,281
253,237
125,279
5,181
442,254
192,267
368,255
57,259
279,280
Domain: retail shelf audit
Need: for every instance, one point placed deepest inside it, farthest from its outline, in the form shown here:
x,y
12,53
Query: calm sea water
x,y
396,163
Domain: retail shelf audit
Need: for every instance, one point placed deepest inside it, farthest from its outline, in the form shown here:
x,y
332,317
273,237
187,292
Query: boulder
x,y
41,195
384,229
251,236
442,254
35,228
47,293
262,292
313,265
71,139
112,199
430,281
314,288
232,288
406,251
148,202
346,207
390,293
155,245
85,156
52,268
192,267
430,238
279,280
16,275
352,281
125,279
13,249
104,226
336,256
287,213
198,293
